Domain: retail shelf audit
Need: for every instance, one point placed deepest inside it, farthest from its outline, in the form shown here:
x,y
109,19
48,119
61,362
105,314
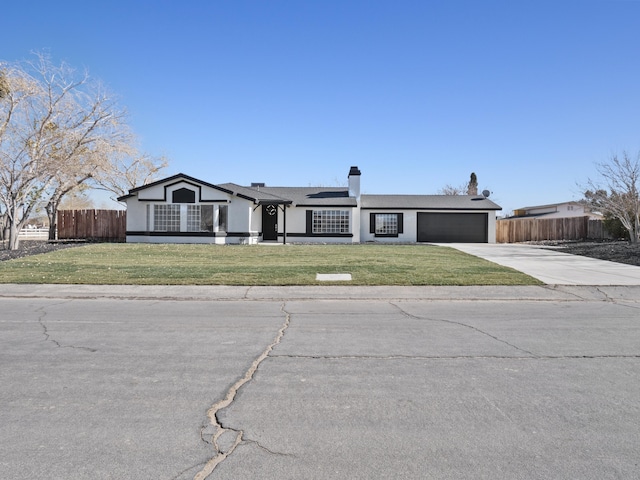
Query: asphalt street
x,y
319,383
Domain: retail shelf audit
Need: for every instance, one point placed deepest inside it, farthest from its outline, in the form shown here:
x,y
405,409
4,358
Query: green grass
x,y
167,264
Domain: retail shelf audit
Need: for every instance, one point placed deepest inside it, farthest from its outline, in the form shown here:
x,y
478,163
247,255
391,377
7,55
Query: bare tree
x,y
451,190
4,85
4,233
58,129
618,192
78,200
80,168
127,172
23,141
469,188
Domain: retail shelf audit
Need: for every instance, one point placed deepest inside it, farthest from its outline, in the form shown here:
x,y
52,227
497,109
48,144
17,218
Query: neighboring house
x,y
556,210
182,209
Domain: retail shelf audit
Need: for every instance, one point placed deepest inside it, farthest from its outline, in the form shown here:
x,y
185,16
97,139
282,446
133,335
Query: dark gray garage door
x,y
452,227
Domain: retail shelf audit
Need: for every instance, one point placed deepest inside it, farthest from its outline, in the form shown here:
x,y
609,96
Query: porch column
x,y
284,226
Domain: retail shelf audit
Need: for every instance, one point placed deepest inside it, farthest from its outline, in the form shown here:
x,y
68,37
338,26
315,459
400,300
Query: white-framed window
x,y
207,218
166,218
193,218
223,213
176,217
386,224
330,221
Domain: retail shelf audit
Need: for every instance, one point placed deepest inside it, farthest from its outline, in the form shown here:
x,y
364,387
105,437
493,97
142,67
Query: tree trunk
x,y
14,241
14,226
52,230
4,233
52,213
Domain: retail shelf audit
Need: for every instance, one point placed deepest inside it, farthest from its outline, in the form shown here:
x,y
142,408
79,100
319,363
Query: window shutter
x,y
372,223
309,222
400,223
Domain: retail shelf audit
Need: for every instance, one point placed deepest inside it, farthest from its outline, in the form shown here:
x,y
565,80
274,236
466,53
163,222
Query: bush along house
x,y
183,209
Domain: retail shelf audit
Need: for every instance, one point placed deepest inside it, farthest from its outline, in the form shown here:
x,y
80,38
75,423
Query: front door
x,y
270,222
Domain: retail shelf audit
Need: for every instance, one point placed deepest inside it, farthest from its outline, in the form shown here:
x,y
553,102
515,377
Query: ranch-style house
x,y
183,209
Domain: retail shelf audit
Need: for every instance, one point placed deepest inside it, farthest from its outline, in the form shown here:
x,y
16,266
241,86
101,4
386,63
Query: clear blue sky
x,y
527,94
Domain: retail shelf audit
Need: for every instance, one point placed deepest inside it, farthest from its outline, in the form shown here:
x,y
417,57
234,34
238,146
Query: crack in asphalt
x,y
222,452
262,447
407,314
47,336
179,475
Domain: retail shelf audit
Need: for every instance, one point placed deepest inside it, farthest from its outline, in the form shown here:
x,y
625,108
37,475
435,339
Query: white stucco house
x,y
183,209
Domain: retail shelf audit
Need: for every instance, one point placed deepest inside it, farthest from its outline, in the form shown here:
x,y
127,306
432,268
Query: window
x,y
193,218
222,217
188,218
330,221
386,224
184,195
166,218
206,218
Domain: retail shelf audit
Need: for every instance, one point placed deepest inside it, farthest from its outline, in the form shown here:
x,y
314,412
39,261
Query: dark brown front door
x,y
269,222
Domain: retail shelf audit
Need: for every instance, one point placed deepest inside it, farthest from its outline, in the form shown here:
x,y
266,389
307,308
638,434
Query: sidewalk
x,y
552,267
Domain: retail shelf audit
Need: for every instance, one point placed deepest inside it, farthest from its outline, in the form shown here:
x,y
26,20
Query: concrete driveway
x,y
552,267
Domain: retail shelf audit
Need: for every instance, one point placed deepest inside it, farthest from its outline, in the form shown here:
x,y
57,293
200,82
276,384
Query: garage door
x,y
453,227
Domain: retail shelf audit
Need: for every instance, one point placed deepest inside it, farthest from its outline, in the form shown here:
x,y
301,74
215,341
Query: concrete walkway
x,y
552,267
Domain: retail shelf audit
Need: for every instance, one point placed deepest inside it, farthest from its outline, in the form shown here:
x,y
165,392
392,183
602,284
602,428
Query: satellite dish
x,y
486,193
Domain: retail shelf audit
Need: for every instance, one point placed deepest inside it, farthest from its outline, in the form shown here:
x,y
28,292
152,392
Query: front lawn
x,y
169,264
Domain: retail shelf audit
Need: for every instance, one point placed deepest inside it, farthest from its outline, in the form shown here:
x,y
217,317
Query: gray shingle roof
x,y
430,202
299,196
339,197
259,195
303,196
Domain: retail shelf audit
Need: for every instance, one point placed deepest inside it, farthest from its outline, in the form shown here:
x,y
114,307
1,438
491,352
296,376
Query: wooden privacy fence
x,y
100,225
539,229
